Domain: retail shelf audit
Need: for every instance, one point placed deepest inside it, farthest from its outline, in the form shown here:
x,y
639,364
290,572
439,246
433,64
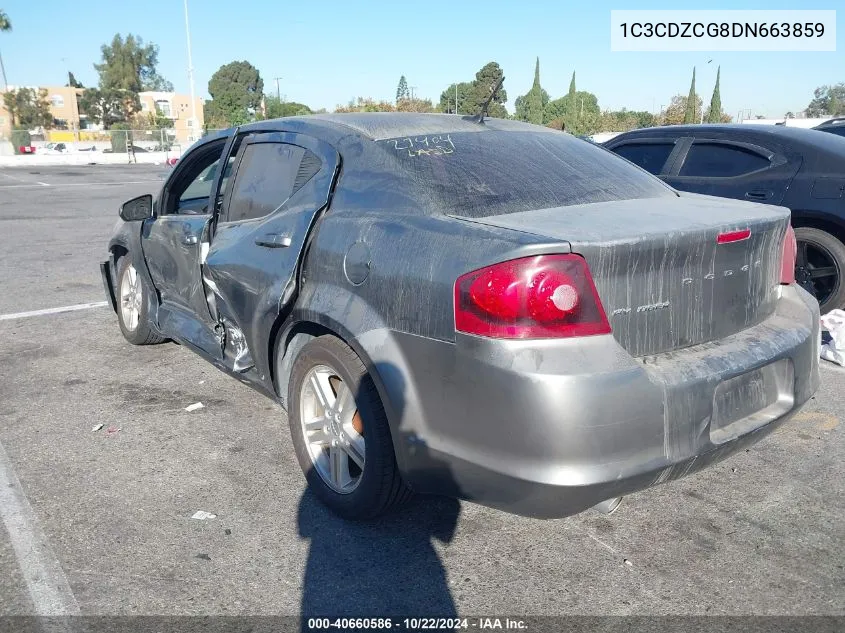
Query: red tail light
x,y
547,296
790,252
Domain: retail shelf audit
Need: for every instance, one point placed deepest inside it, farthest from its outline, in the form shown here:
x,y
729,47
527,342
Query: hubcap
x,y
816,268
332,428
130,298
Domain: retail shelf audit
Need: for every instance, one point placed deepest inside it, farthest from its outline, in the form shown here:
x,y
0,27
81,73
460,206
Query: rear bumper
x,y
550,428
108,284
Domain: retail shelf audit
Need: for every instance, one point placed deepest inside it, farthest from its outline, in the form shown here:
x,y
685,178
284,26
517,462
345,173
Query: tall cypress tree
x,y
715,113
402,89
535,98
572,86
689,115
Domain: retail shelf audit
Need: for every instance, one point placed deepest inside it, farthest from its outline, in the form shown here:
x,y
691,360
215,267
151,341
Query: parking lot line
x,y
35,313
45,581
39,184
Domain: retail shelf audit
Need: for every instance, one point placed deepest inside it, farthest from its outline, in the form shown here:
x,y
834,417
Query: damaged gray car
x,y
478,308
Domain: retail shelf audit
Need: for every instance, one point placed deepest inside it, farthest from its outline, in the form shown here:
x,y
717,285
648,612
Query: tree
x,y
275,108
714,112
827,101
5,24
366,105
402,89
675,113
579,111
128,64
448,96
109,106
236,90
689,113
28,109
72,82
486,80
415,105
789,115
624,120
531,106
572,85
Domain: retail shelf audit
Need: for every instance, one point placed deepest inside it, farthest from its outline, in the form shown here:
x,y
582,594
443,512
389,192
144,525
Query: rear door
x,y
655,155
733,169
280,184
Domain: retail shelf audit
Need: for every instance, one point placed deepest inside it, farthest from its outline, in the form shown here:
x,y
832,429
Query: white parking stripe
x,y
38,185
46,582
35,313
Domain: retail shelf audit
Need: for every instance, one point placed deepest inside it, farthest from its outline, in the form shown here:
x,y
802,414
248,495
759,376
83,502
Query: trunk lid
x,y
663,279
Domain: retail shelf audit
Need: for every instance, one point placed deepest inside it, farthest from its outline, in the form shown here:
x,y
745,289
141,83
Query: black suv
x,y
801,169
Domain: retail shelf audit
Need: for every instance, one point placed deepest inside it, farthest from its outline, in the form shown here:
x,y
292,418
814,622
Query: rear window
x,y
481,174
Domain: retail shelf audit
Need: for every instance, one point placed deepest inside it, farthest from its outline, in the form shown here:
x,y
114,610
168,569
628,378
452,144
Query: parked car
x,y
792,167
834,126
489,310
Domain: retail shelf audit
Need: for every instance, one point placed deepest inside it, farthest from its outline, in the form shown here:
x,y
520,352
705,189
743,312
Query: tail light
x,y
547,296
790,253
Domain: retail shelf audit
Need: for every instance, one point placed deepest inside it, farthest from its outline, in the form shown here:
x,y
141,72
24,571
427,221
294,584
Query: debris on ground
x,y
112,430
194,407
97,427
203,556
227,532
202,515
834,350
627,562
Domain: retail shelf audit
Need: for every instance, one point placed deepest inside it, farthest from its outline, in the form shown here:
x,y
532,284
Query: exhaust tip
x,y
608,506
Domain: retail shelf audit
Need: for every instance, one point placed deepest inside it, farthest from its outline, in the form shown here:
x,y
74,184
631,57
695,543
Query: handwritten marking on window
x,y
436,145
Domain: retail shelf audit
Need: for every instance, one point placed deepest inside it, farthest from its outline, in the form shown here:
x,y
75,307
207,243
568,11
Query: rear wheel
x,y
819,267
340,432
132,312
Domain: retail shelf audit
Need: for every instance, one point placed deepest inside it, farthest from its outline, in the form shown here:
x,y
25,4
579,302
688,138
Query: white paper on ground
x,y
834,350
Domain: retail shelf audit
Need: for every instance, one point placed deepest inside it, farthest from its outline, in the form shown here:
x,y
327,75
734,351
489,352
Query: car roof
x,y
795,136
387,125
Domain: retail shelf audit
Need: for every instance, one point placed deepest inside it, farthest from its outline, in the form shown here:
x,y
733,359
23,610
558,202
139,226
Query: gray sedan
x,y
477,308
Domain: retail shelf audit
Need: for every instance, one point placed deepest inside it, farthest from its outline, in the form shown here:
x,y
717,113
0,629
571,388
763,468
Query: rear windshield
x,y
480,174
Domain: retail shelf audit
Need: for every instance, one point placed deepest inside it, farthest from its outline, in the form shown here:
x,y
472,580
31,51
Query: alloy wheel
x,y
332,429
130,298
817,267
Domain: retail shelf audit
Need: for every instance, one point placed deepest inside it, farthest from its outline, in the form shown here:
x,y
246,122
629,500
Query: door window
x,y
649,156
715,160
189,192
268,174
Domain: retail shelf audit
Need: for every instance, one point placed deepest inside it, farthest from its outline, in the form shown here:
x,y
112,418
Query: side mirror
x,y
139,208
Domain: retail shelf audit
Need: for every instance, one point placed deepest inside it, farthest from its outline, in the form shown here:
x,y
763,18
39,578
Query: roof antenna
x,y
489,99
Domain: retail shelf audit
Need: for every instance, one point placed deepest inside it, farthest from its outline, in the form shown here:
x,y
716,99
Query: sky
x,y
330,52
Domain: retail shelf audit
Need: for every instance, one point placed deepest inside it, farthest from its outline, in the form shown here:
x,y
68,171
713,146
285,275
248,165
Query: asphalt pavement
x,y
99,522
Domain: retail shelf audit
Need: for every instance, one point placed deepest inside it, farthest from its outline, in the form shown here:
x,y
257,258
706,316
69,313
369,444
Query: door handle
x,y
273,240
758,195
189,240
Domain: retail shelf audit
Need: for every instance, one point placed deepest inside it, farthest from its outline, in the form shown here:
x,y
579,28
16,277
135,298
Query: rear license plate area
x,y
751,400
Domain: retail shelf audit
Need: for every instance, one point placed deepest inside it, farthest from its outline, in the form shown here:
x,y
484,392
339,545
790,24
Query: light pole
x,y
278,92
191,76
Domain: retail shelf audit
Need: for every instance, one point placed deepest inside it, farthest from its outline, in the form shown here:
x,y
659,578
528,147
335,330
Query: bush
x,y
119,132
19,138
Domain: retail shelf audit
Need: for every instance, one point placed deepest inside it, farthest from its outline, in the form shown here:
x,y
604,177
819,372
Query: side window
x,y
189,192
649,156
714,160
268,174
839,129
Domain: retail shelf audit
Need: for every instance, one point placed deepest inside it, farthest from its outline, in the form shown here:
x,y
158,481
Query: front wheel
x,y
340,432
132,310
819,267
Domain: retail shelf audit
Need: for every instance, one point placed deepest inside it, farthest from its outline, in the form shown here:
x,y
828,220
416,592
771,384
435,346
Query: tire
x,y
830,290
372,490
134,322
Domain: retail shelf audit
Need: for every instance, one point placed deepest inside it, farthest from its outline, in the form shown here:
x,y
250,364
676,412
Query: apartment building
x,y
72,125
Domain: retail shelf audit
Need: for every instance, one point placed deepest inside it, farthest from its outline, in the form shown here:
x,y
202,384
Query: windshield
x,y
490,173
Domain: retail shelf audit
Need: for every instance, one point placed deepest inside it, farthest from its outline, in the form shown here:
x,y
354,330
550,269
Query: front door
x,y
280,182
173,243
